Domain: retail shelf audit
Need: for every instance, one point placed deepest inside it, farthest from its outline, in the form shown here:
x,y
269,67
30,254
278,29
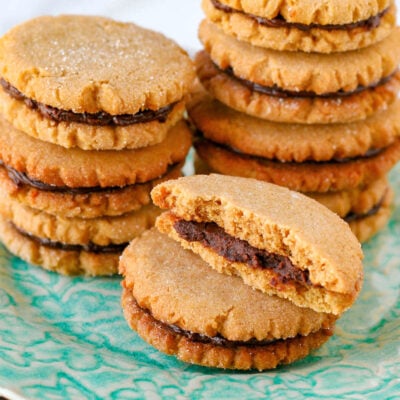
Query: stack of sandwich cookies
x,y
324,122
239,277
91,122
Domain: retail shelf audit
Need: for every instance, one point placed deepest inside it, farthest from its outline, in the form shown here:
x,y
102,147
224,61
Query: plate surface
x,y
64,338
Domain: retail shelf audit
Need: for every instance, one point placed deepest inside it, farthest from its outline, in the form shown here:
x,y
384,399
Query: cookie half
x,y
179,305
267,235
60,168
279,34
251,99
296,72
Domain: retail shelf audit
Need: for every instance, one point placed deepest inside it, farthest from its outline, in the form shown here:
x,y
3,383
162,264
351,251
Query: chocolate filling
x,y
100,118
374,210
201,338
369,153
90,247
233,249
21,179
280,22
277,91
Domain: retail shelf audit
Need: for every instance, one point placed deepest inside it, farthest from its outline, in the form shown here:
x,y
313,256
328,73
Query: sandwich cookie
x,y
306,176
178,304
292,142
96,232
302,74
56,168
278,241
319,27
306,158
92,82
82,202
72,246
262,102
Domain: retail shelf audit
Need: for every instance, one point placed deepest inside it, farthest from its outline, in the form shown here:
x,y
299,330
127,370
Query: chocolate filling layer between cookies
x,y
280,22
100,118
277,91
233,249
90,247
216,340
374,210
21,179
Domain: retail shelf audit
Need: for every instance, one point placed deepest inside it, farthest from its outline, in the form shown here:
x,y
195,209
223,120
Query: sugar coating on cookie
x,y
94,64
312,12
209,316
320,246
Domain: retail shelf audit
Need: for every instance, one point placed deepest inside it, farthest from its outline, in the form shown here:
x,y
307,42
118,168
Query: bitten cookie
x,y
182,307
92,82
328,37
276,240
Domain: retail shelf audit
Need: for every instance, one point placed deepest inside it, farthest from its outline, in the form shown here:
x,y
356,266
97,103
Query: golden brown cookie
x,y
308,38
90,64
292,142
74,168
302,72
101,231
67,262
68,204
86,136
312,11
267,235
357,201
366,226
303,177
182,307
306,110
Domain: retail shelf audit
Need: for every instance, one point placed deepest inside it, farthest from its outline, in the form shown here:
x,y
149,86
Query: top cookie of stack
x,y
91,82
304,95
91,119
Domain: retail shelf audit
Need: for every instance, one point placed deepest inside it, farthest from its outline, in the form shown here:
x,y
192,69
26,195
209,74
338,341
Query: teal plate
x,y
63,338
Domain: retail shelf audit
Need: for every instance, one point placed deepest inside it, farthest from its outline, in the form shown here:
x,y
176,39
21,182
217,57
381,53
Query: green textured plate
x,y
63,338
